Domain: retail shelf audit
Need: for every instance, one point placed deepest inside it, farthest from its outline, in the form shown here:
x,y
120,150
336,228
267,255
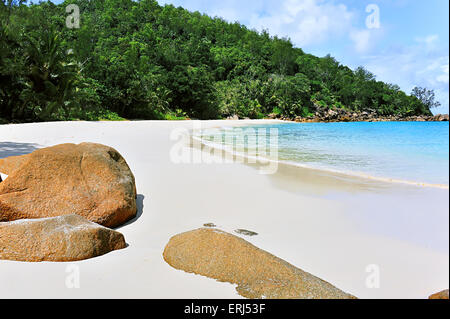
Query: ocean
x,y
413,152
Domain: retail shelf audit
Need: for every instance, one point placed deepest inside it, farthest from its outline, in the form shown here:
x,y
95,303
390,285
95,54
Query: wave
x,y
354,174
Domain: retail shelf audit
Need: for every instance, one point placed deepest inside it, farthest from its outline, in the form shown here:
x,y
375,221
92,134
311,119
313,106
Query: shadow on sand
x,y
140,210
8,149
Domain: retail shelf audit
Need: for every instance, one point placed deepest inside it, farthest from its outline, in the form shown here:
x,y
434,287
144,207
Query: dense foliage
x,y
137,59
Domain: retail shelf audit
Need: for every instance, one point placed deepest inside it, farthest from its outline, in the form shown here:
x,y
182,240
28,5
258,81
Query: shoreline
x,y
319,170
332,172
326,225
270,117
330,115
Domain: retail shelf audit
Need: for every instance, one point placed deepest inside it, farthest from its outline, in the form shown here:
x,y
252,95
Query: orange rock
x,y
440,295
10,164
258,274
63,238
90,180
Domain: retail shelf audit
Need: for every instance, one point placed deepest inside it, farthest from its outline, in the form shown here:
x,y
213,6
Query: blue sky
x,y
410,47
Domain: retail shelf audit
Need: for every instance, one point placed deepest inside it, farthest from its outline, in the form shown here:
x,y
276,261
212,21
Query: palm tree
x,y
51,75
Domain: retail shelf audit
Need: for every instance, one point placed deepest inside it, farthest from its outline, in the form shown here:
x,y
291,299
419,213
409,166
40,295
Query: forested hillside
x,y
139,60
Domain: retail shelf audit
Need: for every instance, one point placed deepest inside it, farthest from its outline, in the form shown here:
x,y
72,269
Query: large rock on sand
x,y
90,180
440,295
63,238
258,274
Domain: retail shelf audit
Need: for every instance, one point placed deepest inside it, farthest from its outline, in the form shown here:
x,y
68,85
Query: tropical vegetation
x,y
139,60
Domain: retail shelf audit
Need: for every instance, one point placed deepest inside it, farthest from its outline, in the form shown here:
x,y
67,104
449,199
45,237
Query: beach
x,y
342,229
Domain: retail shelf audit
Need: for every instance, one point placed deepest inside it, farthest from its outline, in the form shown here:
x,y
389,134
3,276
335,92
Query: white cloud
x,y
444,76
428,39
411,66
361,39
306,22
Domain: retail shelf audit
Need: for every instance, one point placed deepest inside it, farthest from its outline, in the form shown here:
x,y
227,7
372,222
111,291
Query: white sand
x,y
330,226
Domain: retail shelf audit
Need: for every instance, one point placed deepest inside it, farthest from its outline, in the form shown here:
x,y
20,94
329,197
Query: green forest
x,y
139,60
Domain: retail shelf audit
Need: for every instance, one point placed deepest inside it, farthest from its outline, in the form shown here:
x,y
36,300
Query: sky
x,y
403,42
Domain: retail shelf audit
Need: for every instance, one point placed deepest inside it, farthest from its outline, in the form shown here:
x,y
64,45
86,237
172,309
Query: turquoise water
x,y
407,151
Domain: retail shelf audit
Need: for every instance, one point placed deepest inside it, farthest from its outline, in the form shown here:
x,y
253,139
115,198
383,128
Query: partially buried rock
x,y
246,232
63,238
91,180
257,273
440,295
